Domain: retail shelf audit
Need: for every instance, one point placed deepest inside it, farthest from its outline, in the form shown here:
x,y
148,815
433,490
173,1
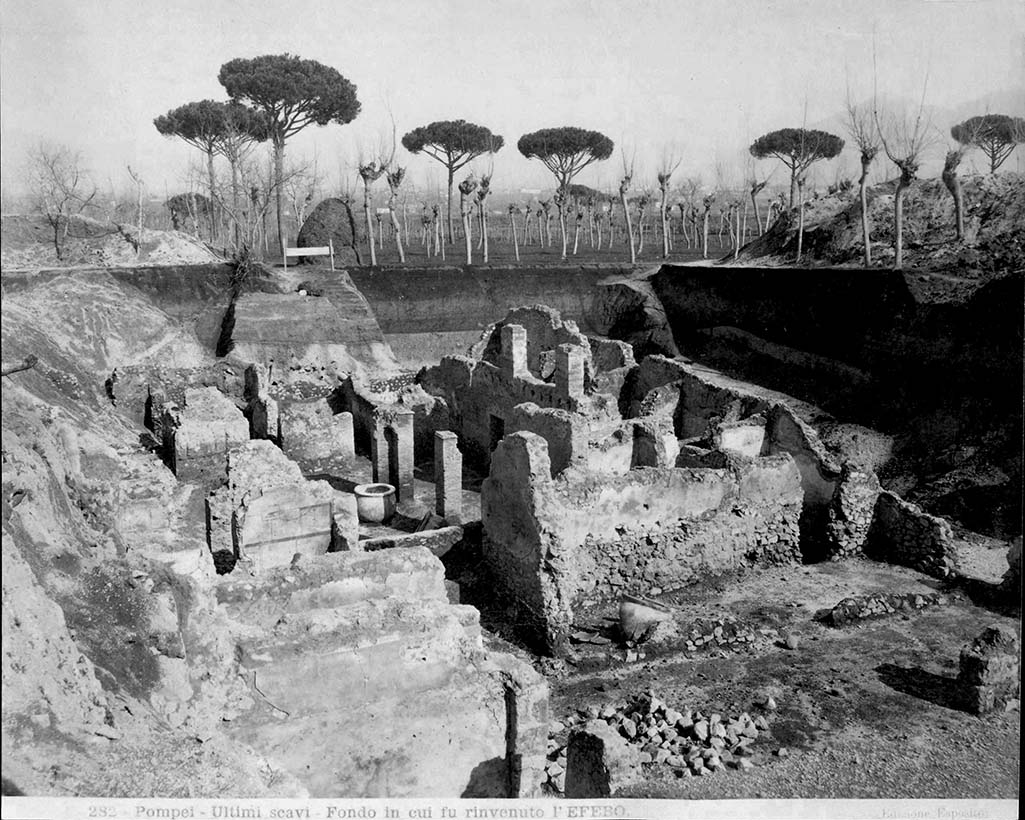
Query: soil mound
x,y
332,220
28,243
993,243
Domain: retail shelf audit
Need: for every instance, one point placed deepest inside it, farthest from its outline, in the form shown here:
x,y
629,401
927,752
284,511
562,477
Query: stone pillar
x,y
346,436
391,451
448,476
569,371
380,451
514,351
263,418
401,473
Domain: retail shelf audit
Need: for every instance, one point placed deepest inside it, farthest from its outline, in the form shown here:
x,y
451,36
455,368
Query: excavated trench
x,y
941,374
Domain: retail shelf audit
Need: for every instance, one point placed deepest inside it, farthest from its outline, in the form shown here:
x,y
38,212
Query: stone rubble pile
x,y
724,632
879,606
691,743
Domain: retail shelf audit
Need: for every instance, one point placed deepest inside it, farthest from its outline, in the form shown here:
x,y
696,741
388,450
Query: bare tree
x,y
61,187
706,204
483,191
513,210
395,175
669,163
642,203
861,127
624,187
466,188
139,185
371,171
953,182
904,137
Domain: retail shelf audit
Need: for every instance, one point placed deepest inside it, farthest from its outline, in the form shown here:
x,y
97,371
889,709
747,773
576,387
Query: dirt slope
x,y
28,243
994,237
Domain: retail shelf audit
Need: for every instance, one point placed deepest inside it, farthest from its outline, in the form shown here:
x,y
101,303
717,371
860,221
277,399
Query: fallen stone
x,y
599,762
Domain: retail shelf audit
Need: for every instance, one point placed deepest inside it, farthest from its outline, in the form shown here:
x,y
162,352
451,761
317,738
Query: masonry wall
x,y
700,401
551,542
481,398
901,533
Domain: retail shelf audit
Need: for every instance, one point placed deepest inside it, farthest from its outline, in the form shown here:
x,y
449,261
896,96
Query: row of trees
x,y
274,97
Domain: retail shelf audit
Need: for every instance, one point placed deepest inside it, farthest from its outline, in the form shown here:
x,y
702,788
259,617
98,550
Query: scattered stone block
x,y
988,677
313,436
599,762
198,434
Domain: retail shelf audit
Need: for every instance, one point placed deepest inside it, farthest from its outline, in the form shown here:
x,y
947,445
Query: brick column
x,y
448,476
569,371
514,351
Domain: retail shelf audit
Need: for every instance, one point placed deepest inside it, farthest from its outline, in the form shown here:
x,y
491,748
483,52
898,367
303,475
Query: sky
x,y
702,79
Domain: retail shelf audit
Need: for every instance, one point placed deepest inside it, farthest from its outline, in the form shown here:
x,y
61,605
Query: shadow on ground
x,y
918,683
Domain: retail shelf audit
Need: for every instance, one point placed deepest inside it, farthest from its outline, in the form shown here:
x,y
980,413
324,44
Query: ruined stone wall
x,y
481,398
851,512
369,671
901,533
551,542
566,433
838,499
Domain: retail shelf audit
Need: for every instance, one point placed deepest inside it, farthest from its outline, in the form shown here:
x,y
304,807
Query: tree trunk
x,y
754,204
212,182
279,174
953,183
866,161
629,227
464,212
736,219
704,236
398,232
562,228
898,224
665,231
484,230
235,202
370,223
451,227
800,218
516,242
793,187
640,231
576,233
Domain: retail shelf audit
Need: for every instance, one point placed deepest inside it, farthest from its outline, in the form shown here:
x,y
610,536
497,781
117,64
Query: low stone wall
x,y
901,533
880,605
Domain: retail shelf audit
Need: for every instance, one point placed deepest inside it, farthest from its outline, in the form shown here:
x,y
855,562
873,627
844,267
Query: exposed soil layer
x,y
993,243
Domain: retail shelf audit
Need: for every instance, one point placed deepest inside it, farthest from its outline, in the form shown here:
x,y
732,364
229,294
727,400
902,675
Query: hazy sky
x,y
705,76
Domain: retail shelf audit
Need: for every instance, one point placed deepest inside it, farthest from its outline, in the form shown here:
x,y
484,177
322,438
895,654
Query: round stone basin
x,y
375,503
